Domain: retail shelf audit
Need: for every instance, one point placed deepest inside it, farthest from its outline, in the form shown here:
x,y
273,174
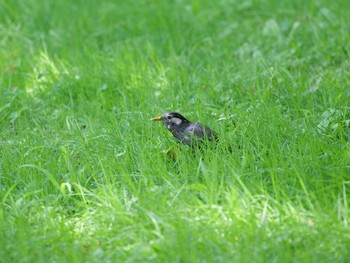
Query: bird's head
x,y
171,120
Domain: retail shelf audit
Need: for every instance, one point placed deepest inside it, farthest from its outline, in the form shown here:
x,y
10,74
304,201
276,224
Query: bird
x,y
189,133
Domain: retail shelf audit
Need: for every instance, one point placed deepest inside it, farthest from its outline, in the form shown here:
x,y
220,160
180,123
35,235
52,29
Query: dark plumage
x,y
190,133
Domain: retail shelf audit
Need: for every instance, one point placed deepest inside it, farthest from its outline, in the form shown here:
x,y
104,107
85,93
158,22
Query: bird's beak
x,y
156,118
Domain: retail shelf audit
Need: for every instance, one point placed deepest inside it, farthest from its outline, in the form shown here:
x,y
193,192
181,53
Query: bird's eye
x,y
169,117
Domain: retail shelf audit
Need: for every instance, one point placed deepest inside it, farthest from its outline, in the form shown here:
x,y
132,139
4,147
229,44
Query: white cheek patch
x,y
176,121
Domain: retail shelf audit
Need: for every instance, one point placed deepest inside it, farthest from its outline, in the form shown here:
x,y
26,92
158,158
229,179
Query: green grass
x,y
84,176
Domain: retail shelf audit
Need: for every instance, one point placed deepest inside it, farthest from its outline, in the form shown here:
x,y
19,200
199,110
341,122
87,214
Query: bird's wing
x,y
196,130
194,133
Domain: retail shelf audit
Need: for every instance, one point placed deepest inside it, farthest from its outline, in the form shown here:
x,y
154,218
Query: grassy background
x,y
83,172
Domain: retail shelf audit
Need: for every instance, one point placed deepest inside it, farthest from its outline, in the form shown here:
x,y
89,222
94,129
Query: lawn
x,y
85,176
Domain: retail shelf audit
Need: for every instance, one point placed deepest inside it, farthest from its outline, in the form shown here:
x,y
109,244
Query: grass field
x,y
84,174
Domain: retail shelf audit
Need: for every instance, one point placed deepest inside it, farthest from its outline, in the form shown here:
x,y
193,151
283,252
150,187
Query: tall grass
x,y
85,176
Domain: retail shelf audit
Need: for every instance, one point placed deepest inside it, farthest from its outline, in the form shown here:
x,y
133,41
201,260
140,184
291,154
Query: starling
x,y
190,133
